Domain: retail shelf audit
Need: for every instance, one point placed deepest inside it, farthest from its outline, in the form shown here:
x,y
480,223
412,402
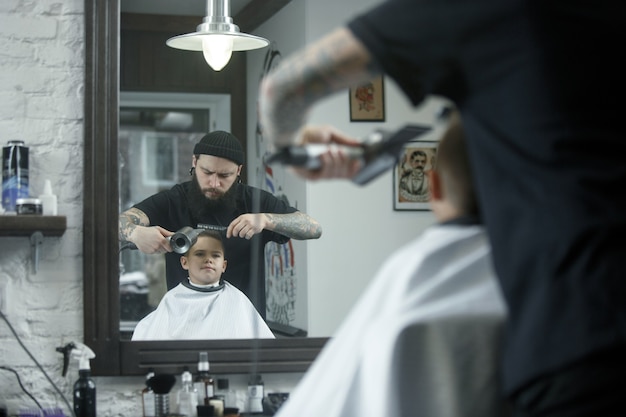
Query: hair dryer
x,y
184,238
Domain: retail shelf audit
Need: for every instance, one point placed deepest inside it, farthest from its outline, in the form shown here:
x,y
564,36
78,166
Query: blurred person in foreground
x,y
539,85
425,337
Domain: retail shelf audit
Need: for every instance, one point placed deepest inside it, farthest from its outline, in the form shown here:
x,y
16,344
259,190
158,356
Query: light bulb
x,y
217,50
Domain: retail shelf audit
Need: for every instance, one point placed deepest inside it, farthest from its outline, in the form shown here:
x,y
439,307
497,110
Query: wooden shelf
x,y
26,225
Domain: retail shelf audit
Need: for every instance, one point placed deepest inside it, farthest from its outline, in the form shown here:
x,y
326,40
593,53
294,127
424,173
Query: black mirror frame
x,y
116,357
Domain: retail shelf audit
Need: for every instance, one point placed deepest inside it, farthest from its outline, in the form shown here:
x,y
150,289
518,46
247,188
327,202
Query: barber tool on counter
x,y
379,152
162,384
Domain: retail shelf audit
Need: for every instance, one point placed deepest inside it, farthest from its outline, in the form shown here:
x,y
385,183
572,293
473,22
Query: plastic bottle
x,y
84,387
48,200
187,397
255,394
148,398
203,380
223,390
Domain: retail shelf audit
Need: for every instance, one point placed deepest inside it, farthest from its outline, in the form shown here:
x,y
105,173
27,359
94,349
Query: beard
x,y
200,205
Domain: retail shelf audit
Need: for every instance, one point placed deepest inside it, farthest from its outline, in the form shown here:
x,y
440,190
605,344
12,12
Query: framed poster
x,y
367,101
410,175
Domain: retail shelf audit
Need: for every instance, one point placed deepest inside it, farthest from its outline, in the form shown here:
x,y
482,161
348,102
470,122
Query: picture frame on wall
x,y
367,101
410,175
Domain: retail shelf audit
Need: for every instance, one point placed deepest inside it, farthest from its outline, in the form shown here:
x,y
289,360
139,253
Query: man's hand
x,y
247,225
151,240
335,163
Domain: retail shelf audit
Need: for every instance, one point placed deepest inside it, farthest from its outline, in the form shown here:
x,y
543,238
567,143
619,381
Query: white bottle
x,y
203,380
48,200
147,398
187,398
255,394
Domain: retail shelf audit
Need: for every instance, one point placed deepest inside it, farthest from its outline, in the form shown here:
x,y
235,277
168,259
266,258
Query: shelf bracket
x,y
36,239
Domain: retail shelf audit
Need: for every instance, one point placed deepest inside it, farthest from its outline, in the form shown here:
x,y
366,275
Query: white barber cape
x,y
423,339
190,312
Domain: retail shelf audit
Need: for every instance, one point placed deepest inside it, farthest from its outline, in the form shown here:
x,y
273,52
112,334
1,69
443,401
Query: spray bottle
x,y
84,387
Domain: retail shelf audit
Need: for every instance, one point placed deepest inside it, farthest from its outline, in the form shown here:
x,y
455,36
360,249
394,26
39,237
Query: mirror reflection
x,y
157,133
160,194
206,306
108,45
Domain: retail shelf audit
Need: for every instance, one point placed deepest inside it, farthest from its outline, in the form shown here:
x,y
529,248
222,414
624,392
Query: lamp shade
x,y
217,36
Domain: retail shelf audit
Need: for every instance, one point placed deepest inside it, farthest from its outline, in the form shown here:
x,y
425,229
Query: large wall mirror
x,y
115,356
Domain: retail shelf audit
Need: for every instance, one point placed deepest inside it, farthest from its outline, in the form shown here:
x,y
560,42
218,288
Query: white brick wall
x,y
41,79
41,102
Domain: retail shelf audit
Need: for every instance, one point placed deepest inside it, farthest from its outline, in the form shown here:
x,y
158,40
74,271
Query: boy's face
x,y
205,261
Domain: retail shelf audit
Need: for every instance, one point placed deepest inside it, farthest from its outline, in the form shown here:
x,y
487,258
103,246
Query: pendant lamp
x,y
217,37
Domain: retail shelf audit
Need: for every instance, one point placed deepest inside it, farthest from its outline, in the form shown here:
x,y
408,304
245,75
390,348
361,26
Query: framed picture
x,y
159,159
367,102
411,189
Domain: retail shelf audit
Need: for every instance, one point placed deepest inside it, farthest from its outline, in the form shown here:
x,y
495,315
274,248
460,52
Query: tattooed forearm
x,y
296,225
332,64
129,220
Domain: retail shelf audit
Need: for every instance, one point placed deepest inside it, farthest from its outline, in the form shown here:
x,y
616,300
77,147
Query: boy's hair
x,y
453,166
212,234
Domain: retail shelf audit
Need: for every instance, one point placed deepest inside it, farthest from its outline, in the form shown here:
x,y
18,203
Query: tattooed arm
x,y
295,225
134,226
336,62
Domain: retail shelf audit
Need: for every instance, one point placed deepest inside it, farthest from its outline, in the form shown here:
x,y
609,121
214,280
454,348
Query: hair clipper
x,y
379,151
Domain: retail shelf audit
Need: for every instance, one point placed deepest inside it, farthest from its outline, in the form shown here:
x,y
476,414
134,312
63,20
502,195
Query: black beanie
x,y
221,144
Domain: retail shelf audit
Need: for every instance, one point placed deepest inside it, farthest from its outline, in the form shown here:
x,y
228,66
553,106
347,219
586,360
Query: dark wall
x,y
148,64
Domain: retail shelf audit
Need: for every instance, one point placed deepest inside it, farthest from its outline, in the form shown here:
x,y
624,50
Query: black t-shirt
x,y
540,85
246,260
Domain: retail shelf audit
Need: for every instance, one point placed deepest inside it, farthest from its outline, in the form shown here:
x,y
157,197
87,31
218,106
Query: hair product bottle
x,y
223,389
147,398
255,394
187,397
48,200
84,387
14,173
203,381
217,402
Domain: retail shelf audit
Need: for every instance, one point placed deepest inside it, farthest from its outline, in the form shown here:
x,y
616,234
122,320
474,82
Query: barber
x,y
216,196
546,141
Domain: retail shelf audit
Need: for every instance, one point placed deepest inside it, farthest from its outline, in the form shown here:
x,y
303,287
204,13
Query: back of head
x,y
454,168
221,144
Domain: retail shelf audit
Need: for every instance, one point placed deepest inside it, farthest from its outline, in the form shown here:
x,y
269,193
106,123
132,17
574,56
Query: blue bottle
x,y
14,173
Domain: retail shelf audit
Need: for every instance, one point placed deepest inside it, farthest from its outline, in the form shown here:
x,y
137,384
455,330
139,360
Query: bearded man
x,y
216,196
